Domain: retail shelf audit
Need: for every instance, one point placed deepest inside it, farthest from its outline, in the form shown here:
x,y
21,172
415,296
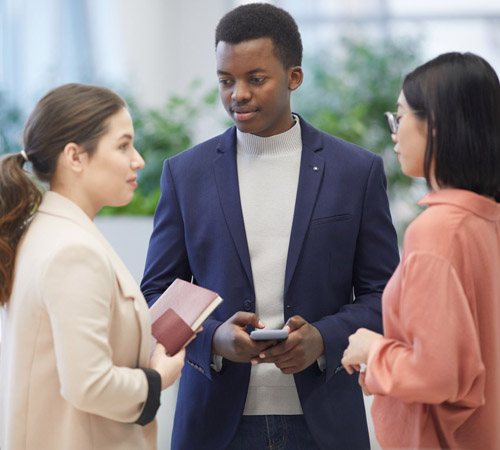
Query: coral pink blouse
x,y
436,371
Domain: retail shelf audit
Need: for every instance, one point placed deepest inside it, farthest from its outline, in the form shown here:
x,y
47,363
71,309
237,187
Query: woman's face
x,y
410,139
111,172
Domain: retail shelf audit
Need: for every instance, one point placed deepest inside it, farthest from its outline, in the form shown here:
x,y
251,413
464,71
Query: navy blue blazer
x,y
343,249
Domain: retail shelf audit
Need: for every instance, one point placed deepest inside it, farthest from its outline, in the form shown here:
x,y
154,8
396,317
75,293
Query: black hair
x,y
258,20
458,94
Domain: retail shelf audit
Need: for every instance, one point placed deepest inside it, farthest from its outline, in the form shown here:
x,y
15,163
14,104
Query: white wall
x,y
168,43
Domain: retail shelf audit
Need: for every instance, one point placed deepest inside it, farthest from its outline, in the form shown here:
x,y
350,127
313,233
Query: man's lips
x,y
243,114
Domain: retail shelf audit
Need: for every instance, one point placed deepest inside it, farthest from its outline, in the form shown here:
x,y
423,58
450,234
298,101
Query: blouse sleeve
x,y
77,289
436,356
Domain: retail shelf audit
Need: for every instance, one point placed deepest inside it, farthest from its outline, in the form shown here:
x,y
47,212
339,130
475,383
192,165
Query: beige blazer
x,y
74,333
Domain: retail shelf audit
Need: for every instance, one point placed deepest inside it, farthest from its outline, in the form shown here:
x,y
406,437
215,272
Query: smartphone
x,y
269,335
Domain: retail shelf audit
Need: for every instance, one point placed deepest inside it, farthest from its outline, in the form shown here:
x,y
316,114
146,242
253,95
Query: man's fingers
x,y
243,319
295,323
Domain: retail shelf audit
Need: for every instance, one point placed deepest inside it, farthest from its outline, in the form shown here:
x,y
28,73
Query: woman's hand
x,y
169,367
361,381
358,350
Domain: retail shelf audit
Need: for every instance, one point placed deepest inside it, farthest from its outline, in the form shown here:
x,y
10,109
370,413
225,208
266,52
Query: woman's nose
x,y
138,162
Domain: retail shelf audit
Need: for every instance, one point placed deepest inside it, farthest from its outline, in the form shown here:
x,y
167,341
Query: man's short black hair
x,y
259,20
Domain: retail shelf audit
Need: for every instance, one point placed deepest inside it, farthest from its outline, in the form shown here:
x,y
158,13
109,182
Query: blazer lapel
x,y
312,167
130,292
59,205
226,178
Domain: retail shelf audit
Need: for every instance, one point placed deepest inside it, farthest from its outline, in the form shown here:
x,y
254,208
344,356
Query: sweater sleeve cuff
x,y
216,362
153,399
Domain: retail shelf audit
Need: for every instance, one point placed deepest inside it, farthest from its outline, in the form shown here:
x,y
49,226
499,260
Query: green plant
x,y
160,134
348,92
344,94
11,122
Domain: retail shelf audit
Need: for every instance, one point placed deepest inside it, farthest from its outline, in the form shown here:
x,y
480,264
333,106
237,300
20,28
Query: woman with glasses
x,y
435,372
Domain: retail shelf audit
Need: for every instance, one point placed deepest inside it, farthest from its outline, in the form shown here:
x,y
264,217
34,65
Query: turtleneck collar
x,y
282,144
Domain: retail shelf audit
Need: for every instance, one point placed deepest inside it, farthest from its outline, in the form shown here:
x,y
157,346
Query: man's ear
x,y
74,157
295,77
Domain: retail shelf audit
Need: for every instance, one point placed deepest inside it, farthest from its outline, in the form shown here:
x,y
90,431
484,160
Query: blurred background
x,y
159,54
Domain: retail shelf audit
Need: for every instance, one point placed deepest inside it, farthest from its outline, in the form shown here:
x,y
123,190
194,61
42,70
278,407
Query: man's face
x,y
255,87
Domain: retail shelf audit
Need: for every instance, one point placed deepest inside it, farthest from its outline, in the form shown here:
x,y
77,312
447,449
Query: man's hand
x,y
301,349
232,342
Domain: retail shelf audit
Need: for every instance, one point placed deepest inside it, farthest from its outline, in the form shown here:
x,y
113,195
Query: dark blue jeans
x,y
273,433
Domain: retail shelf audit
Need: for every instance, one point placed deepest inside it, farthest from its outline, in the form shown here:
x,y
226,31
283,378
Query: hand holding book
x,y
169,367
179,312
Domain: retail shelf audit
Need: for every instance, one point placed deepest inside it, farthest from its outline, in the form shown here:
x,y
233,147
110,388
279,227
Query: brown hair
x,y
70,113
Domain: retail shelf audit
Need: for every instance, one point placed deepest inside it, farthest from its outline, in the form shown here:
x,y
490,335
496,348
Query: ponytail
x,y
19,200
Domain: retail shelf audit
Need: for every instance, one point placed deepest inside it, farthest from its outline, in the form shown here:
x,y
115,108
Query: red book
x,y
179,312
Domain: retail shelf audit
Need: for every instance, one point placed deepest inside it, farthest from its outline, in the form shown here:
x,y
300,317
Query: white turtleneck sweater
x,y
268,173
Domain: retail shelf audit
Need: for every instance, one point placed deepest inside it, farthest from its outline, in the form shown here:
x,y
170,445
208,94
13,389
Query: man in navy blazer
x,y
291,226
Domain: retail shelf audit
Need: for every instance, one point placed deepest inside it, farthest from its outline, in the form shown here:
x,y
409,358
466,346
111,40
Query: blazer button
x,y
247,305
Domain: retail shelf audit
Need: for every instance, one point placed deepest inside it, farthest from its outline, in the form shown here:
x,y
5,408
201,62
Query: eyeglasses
x,y
392,121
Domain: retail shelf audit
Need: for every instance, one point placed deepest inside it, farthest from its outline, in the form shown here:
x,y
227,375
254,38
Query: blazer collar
x,y
310,176
226,179
57,205
311,138
312,167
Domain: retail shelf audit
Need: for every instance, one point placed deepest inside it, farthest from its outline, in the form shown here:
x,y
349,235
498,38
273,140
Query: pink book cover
x,y
179,312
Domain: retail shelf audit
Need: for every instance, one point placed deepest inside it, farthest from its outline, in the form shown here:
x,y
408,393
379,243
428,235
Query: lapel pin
x,y
315,168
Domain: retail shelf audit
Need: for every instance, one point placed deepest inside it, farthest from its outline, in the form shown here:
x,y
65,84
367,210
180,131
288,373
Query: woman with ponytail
x,y
75,367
